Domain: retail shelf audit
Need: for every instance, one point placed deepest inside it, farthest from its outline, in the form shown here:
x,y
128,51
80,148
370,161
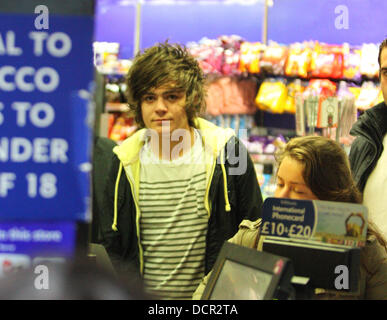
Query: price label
x,y
288,218
280,229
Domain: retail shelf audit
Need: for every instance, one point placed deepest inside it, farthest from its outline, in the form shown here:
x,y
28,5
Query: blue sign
x,y
24,245
329,222
46,75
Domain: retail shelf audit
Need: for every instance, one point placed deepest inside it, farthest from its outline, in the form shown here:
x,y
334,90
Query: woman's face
x,y
290,182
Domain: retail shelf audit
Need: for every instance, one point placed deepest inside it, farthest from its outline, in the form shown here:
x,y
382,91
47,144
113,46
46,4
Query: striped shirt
x,y
173,223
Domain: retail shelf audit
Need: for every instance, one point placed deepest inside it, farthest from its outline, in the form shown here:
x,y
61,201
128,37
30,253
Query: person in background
x,y
368,155
180,186
102,154
317,168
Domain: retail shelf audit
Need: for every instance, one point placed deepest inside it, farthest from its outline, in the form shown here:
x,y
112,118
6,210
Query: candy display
x,y
327,61
352,61
368,96
299,60
219,56
369,60
293,88
308,59
273,59
250,55
303,78
121,126
231,95
106,58
272,96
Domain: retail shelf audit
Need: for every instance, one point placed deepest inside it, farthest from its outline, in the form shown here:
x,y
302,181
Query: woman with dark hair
x,y
317,168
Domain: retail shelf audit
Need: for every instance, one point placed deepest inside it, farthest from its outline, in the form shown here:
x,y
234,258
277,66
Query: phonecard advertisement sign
x,y
322,221
46,75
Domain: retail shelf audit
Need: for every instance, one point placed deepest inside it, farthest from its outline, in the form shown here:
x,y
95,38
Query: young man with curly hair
x,y
180,186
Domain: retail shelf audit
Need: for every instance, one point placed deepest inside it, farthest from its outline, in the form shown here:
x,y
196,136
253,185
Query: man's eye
x,y
148,99
280,185
172,97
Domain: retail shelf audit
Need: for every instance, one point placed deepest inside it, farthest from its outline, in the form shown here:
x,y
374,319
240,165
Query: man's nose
x,y
160,105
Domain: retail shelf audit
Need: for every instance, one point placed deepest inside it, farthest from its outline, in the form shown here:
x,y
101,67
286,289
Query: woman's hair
x,y
326,171
163,64
326,168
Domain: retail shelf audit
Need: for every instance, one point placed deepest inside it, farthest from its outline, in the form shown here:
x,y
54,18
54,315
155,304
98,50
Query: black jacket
x,y
369,130
243,195
102,155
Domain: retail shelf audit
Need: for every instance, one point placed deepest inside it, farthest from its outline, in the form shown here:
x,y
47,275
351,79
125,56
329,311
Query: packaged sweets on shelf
x,y
299,59
352,60
250,55
121,127
272,96
322,87
209,54
231,45
369,66
273,59
292,89
327,61
368,97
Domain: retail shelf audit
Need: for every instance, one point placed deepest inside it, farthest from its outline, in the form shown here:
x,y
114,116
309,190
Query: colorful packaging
x,y
328,112
352,61
327,62
250,55
273,59
299,59
292,88
368,96
322,87
272,96
369,66
122,128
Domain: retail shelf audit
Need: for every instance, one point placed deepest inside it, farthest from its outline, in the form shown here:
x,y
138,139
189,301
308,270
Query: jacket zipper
x,y
138,214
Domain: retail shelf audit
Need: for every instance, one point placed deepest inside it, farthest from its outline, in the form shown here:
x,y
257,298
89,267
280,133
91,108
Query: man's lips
x,y
161,120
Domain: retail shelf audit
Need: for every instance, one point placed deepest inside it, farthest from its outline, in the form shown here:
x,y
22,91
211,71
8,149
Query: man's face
x,y
164,107
383,73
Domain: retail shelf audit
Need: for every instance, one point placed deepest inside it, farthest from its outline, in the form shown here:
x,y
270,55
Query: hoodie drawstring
x,y
227,206
114,225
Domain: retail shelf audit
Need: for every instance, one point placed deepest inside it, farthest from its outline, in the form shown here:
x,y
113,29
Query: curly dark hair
x,y
160,65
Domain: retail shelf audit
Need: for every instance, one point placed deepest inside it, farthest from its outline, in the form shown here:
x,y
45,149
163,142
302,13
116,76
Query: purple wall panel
x,y
115,23
178,23
185,23
289,21
298,20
